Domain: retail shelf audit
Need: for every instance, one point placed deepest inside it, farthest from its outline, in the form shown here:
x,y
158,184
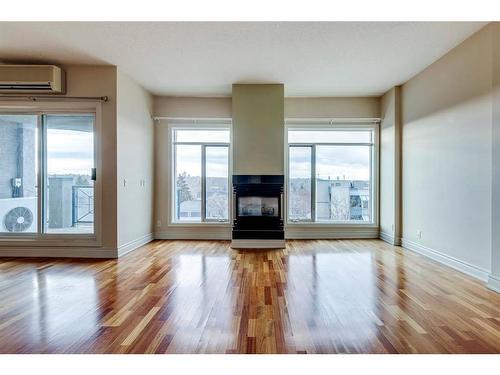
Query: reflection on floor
x,y
356,296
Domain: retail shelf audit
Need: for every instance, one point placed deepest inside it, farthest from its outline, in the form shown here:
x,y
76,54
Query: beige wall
x,y
367,107
101,81
135,134
447,154
363,107
390,162
258,129
171,106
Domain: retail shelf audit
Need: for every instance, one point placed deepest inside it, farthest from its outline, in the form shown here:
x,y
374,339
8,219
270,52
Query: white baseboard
x,y
258,244
58,252
291,232
132,245
459,265
204,234
389,238
493,283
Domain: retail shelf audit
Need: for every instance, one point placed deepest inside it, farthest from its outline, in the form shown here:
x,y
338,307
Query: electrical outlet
x,y
124,182
419,234
158,223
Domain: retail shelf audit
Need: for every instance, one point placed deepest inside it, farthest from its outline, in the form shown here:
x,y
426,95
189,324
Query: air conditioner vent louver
x,y
21,86
31,78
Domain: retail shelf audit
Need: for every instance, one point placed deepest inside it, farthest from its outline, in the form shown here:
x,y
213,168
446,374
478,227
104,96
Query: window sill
x,y
49,240
331,225
200,224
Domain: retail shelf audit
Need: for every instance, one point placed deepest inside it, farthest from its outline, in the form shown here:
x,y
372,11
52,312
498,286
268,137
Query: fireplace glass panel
x,y
258,206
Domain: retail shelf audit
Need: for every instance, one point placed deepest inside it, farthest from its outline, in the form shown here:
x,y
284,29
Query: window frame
x,y
329,124
198,124
39,109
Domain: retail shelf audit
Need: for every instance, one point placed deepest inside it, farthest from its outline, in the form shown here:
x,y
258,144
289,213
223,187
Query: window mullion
x,y
175,197
43,173
313,183
39,177
203,182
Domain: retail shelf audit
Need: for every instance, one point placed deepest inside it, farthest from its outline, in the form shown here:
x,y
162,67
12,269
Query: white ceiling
x,y
204,59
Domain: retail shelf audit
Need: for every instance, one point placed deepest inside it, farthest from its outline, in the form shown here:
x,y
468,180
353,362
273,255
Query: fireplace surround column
x,y
258,163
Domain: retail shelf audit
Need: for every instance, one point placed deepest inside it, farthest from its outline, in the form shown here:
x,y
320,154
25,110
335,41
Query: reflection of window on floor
x,y
201,174
68,199
330,175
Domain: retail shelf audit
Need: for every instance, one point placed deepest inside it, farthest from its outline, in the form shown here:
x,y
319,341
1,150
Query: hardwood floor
x,y
322,296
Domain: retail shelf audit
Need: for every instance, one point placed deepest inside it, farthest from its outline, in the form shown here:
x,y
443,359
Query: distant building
x,y
17,159
190,210
336,200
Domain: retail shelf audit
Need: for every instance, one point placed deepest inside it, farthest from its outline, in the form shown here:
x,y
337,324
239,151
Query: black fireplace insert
x,y
258,207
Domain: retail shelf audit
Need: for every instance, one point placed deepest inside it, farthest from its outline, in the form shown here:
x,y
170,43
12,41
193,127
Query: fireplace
x,y
258,211
258,206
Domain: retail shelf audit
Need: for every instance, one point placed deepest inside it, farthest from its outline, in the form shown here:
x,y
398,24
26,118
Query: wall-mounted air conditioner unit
x,y
44,79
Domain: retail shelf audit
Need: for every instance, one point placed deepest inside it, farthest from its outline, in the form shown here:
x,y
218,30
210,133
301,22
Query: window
x,y
330,177
200,174
46,173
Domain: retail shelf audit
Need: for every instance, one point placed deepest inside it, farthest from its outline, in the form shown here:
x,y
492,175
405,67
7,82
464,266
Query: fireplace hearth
x,y
258,211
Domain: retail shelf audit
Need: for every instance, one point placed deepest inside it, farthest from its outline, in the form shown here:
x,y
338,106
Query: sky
x,y
344,162
188,157
69,152
349,162
189,160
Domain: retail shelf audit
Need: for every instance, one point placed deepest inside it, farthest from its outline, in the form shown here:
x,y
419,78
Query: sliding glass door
x,y
69,193
56,153
18,173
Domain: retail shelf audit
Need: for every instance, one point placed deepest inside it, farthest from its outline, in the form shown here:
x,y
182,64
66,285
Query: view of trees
x,y
189,190
183,190
300,198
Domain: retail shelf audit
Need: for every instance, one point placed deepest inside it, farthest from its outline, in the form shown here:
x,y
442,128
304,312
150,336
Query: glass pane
x,y
258,206
217,183
299,201
343,183
18,173
330,136
187,183
202,136
69,201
